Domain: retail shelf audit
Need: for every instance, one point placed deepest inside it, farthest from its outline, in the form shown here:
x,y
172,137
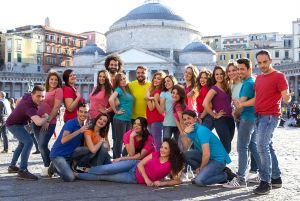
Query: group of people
x,y
159,128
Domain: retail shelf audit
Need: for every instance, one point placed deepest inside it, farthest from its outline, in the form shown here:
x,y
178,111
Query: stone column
x,y
22,88
296,88
95,78
12,90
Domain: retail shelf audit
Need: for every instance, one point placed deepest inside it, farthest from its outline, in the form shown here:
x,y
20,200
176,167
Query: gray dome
x,y
198,47
90,49
151,11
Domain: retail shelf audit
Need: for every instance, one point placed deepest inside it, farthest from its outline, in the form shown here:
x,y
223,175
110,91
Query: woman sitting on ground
x,y
95,151
150,171
138,141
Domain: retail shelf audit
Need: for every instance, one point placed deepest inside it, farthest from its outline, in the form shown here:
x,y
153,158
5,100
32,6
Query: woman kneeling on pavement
x,y
150,171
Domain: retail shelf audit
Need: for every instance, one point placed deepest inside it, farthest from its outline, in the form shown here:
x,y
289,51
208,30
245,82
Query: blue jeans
x,y
212,173
265,126
62,166
246,141
208,122
121,127
156,130
225,129
169,130
123,172
3,133
24,146
43,138
193,158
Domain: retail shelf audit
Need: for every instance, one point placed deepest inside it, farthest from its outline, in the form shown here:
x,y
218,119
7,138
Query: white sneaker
x,y
254,179
44,172
184,178
235,183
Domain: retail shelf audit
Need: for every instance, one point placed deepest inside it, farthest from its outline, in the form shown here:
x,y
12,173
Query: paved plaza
x,y
286,143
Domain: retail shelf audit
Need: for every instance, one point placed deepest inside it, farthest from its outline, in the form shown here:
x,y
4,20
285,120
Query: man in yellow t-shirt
x,y
138,90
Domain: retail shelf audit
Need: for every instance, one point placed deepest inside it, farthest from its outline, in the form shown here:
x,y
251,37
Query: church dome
x,y
198,47
151,11
90,49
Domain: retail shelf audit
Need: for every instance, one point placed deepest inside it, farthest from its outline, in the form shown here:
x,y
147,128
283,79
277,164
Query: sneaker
x,y
276,183
235,183
36,152
263,188
25,175
230,174
254,179
51,170
4,151
13,169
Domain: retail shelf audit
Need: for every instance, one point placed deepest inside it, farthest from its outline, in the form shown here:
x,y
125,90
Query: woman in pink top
x,y
178,96
72,96
100,95
51,105
190,76
150,171
155,118
138,141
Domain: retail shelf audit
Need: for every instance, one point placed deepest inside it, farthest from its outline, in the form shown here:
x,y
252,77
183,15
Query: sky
x,y
211,17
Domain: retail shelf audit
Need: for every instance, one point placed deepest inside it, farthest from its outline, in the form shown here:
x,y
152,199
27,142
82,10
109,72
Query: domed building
x,y
88,55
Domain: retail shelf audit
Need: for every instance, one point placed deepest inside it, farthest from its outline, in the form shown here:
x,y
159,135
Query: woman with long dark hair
x,y
100,95
218,104
138,141
51,105
178,96
150,171
72,96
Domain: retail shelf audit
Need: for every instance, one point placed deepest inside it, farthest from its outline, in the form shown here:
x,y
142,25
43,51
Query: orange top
x,y
94,136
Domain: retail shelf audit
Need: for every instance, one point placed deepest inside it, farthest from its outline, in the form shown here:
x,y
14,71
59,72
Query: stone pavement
x,y
286,143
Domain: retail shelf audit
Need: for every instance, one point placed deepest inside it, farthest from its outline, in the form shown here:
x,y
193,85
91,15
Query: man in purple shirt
x,y
25,111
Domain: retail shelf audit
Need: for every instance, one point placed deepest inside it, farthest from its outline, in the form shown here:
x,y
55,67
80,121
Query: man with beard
x,y
113,64
138,90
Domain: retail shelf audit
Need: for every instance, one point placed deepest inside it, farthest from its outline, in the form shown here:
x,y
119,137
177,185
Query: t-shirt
x,y
221,101
202,135
268,93
126,103
190,101
247,90
148,145
169,117
22,114
235,90
154,169
97,101
94,137
139,92
48,104
200,98
69,92
66,149
154,115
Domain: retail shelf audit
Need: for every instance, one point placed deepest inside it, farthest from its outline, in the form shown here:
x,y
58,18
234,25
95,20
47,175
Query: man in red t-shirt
x,y
270,87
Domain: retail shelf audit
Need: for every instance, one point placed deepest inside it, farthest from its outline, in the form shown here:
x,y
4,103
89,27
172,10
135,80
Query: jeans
x,y
85,158
246,141
43,138
193,158
62,166
253,164
169,130
208,122
24,146
225,129
123,172
3,133
265,126
156,130
121,127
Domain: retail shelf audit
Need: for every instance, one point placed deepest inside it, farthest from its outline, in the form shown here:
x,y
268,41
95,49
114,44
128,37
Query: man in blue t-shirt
x,y
246,139
209,159
69,139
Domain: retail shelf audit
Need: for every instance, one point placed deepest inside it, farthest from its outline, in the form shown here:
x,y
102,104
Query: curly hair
x,y
162,75
114,57
175,157
50,74
209,78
